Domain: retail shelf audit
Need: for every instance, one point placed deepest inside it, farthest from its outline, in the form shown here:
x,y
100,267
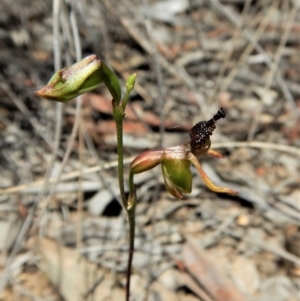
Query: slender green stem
x,y
132,194
130,204
118,116
131,220
117,110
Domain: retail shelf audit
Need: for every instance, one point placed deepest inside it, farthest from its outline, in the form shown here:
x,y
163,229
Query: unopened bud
x,y
79,78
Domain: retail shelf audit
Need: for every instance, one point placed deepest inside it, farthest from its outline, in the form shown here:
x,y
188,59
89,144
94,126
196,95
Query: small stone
x,y
245,275
243,220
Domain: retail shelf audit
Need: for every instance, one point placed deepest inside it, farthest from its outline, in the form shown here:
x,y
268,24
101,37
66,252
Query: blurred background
x,y
63,231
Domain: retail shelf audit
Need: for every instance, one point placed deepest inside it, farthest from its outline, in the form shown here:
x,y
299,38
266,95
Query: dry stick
x,y
80,192
26,225
290,18
75,126
159,82
274,65
242,60
77,45
247,34
258,144
262,244
157,70
75,174
228,54
199,34
256,118
24,110
66,177
176,71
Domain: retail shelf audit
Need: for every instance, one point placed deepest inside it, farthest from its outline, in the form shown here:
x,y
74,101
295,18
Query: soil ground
x,y
191,58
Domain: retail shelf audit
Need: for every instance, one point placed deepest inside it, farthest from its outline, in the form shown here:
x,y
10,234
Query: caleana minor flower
x,y
176,161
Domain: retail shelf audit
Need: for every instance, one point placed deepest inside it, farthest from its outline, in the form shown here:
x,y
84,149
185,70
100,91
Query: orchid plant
x,y
175,161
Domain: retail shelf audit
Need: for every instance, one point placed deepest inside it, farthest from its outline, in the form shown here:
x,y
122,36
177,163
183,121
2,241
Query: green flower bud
x,y
131,82
79,78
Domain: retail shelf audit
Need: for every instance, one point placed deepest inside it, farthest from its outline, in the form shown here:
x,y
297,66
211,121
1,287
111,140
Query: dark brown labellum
x,y
203,130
